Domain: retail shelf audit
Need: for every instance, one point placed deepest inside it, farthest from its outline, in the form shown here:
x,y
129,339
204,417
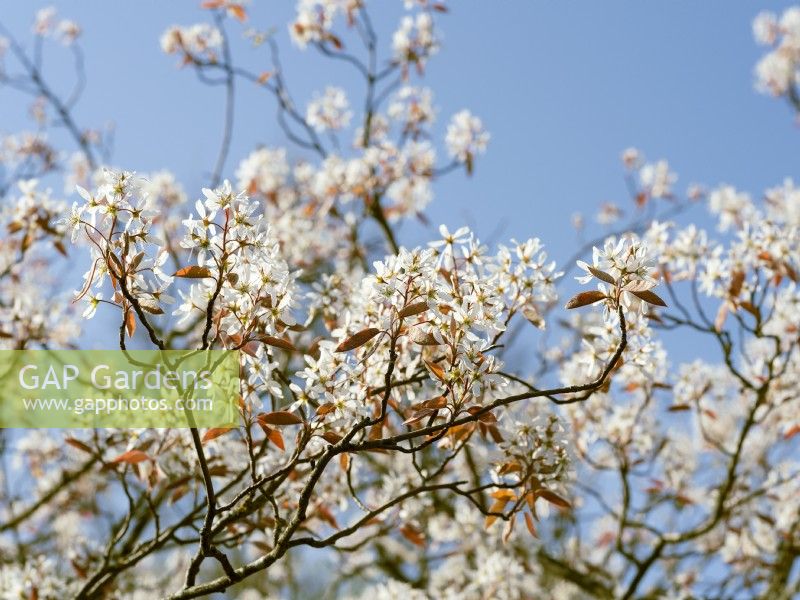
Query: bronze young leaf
x,y
585,298
649,297
602,275
358,339
193,272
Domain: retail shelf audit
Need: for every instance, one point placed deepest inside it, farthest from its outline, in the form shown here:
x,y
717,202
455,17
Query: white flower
x,y
200,40
631,158
313,21
777,71
466,136
264,171
329,111
44,21
657,179
93,301
415,40
413,107
765,28
73,221
68,31
733,207
460,236
158,263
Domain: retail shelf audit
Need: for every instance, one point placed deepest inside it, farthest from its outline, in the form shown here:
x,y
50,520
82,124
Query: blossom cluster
x,y
777,71
28,315
402,172
315,19
240,280
649,179
439,310
47,24
329,111
194,42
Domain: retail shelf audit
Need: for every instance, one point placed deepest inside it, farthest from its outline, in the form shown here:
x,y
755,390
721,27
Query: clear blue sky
x,y
562,86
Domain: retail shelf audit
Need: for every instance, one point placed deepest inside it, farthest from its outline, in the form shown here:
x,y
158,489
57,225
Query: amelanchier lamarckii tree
x,y
387,447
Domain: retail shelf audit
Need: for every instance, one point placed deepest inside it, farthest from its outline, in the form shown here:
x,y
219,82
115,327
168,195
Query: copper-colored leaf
x,y
413,535
151,306
237,10
27,241
649,297
751,308
218,471
136,260
791,432
264,77
413,309
585,298
436,370
529,524
324,513
274,436
497,437
324,409
509,530
277,342
553,498
488,417
280,417
438,402
331,437
130,323
376,432
737,279
79,445
114,265
193,272
131,457
358,339
509,467
178,493
250,348
496,507
335,41
504,494
530,312
419,416
602,275
215,432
